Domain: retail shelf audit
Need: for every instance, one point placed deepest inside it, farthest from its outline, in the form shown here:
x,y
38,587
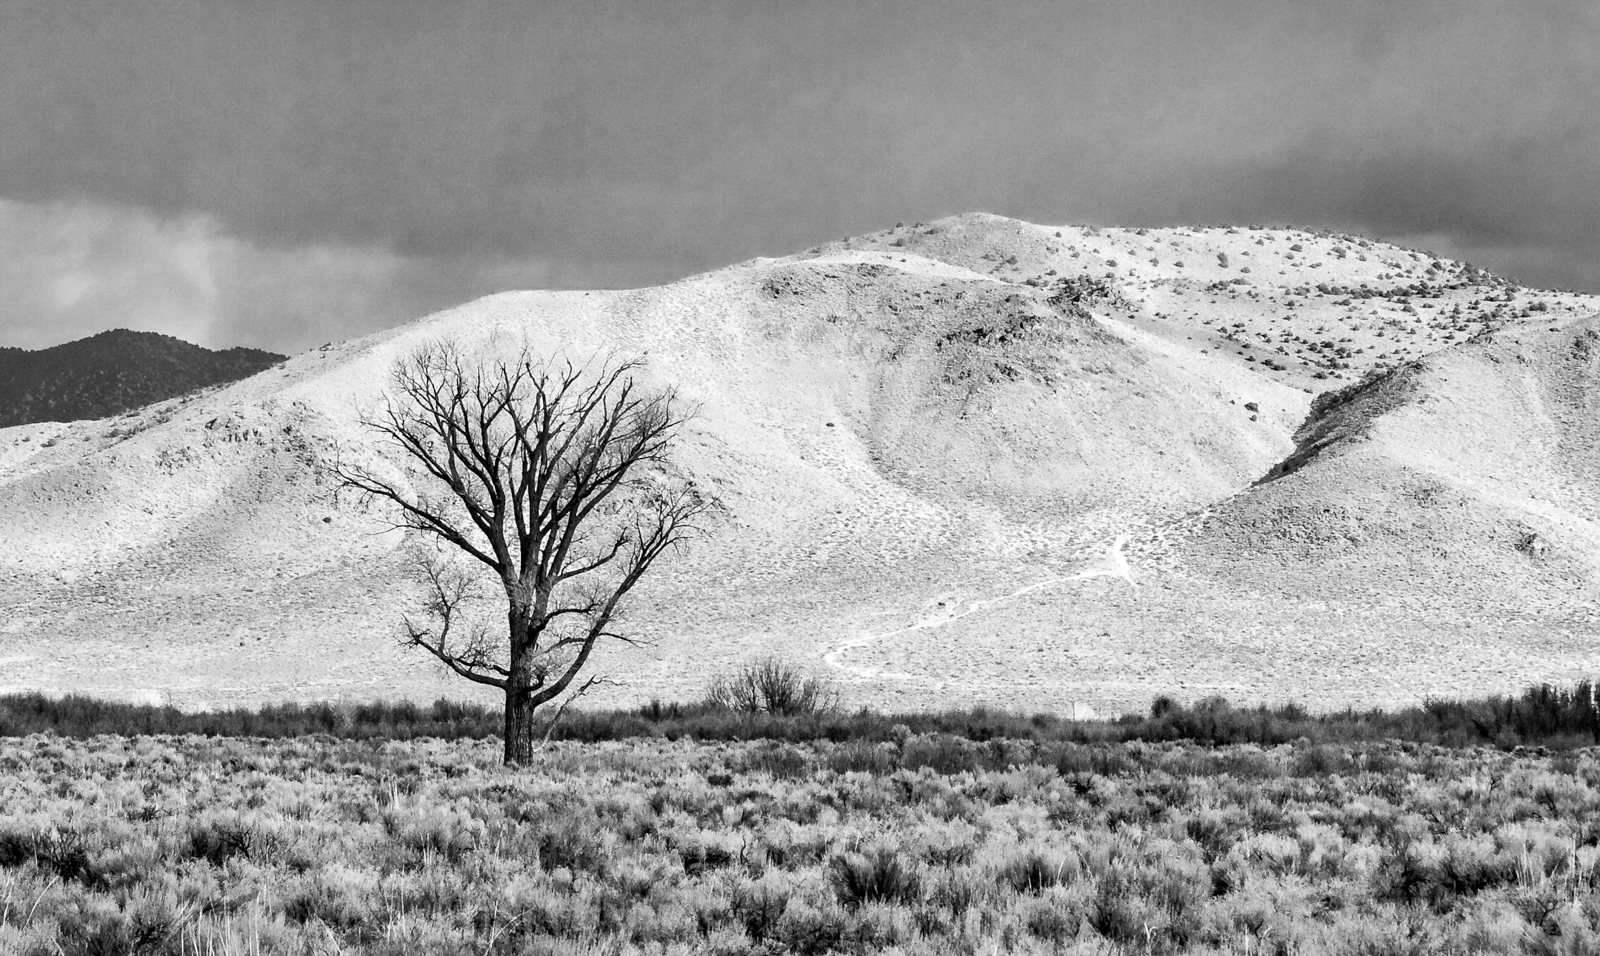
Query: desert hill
x,y
110,373
974,460
1309,308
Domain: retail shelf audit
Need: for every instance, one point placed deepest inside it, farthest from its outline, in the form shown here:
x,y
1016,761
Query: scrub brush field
x,y
921,843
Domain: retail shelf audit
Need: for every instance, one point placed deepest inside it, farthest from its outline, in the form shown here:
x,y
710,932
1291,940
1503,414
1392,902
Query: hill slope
x,y
112,372
978,460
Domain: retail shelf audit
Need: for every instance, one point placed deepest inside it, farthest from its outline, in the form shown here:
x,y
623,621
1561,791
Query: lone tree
x,y
551,475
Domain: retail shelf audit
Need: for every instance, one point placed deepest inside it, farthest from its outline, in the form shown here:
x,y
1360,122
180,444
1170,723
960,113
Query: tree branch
x,y
556,718
450,591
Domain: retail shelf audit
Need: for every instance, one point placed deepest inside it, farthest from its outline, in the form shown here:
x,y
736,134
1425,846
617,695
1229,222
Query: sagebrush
x,y
931,845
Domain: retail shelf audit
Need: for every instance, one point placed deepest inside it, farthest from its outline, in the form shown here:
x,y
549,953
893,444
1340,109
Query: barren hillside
x,y
974,460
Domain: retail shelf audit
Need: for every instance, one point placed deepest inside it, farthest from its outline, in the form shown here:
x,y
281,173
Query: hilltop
x,y
1309,308
977,460
110,373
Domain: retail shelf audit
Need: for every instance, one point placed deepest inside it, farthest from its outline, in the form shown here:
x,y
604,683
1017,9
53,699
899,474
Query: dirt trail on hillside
x,y
1113,564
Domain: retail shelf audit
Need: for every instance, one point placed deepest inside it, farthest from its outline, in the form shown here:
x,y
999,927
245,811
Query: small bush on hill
x,y
771,686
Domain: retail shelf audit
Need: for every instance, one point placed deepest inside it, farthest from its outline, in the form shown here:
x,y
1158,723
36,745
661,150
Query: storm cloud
x,y
338,167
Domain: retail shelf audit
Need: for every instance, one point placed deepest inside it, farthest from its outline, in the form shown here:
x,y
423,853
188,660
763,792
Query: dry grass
x,y
193,845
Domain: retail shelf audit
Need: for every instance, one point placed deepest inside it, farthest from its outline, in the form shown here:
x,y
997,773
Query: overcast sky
x,y
282,173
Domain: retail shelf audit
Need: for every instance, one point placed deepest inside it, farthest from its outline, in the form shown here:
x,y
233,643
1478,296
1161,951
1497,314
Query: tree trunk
x,y
519,699
519,726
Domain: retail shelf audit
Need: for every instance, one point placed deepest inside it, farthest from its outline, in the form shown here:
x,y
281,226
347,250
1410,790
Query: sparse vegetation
x,y
82,717
930,844
1546,715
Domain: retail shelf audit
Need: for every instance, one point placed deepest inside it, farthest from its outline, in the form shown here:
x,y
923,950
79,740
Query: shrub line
x,y
1545,715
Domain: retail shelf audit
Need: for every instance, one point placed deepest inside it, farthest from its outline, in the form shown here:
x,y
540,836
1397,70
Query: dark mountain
x,y
114,371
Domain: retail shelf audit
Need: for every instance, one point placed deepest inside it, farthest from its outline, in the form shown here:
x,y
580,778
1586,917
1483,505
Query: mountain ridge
x,y
113,372
947,475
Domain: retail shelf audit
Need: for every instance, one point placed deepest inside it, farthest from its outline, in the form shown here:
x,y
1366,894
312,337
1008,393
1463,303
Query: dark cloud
x,y
638,141
1529,205
73,270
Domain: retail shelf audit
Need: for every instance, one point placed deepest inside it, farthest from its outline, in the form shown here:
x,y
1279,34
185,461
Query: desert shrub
x,y
1035,871
780,761
1378,761
216,841
1213,832
1321,760
771,686
950,844
940,753
1470,866
336,895
1054,921
1542,715
878,877
562,844
76,715
1462,850
961,889
863,757
84,717
1408,874
597,726
759,906
450,836
137,931
699,857
1156,903
809,931
60,851
1074,759
1541,907
1246,763
1120,917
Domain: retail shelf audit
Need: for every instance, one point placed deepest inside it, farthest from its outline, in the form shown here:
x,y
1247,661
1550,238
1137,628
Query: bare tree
x,y
551,475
